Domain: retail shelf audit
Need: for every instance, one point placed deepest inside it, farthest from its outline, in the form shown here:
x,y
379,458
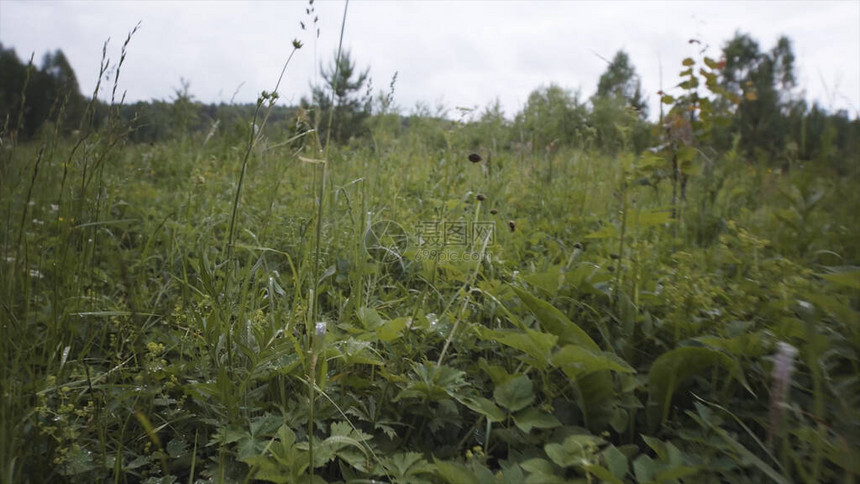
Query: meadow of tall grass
x,y
421,307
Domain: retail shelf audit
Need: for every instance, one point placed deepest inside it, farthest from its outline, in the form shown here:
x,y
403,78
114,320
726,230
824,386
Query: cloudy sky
x,y
463,53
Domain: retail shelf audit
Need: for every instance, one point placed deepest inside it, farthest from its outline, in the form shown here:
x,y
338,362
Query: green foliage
x,y
339,96
204,308
551,114
672,368
620,81
52,94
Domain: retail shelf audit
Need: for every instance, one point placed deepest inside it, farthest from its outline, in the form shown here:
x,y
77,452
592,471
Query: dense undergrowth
x,y
413,309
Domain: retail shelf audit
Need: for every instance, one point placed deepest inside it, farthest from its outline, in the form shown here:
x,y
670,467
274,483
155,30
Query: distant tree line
x,y
52,93
769,122
32,98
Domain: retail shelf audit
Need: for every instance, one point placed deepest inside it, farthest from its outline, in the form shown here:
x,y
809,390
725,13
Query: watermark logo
x,y
453,241
458,233
385,241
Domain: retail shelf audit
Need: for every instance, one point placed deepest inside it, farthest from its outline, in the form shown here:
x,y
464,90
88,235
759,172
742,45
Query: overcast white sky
x,y
463,53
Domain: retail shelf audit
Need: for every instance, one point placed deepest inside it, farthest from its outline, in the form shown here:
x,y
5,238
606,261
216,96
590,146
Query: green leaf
x,y
597,398
577,361
268,470
455,473
511,474
532,418
176,448
537,466
607,232
536,344
485,407
554,321
658,446
644,468
496,373
688,62
391,330
616,461
433,382
674,367
576,450
548,281
739,448
651,218
406,464
545,478
840,310
677,472
691,84
590,371
685,154
515,394
603,474
847,279
265,425
331,446
667,99
369,318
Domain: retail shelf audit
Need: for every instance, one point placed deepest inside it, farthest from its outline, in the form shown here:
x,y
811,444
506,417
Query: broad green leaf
x,y
545,478
848,279
265,425
548,281
576,450
345,443
678,472
555,322
537,466
658,446
616,461
603,474
739,448
576,361
496,373
369,318
651,218
406,464
840,310
515,394
176,448
391,330
357,352
433,382
690,84
533,418
685,154
485,407
644,468
674,367
511,474
749,345
455,473
607,232
597,398
590,371
78,461
536,344
688,62
265,469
